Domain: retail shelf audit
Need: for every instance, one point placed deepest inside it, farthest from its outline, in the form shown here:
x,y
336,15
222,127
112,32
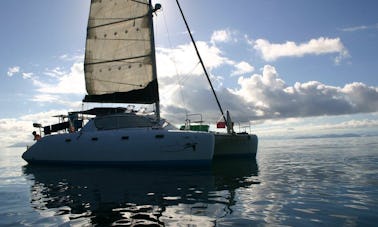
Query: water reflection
x,y
137,196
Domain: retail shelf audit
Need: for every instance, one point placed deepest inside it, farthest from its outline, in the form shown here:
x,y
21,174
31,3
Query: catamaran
x,y
120,67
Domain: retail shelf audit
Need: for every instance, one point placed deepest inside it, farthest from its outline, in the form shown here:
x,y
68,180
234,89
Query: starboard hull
x,y
235,145
131,146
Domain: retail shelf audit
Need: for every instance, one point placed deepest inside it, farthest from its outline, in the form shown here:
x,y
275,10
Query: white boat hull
x,y
123,146
242,144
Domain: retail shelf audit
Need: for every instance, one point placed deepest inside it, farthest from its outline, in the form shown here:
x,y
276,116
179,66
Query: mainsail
x,y
120,57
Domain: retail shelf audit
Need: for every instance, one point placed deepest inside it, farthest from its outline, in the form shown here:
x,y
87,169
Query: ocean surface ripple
x,y
292,182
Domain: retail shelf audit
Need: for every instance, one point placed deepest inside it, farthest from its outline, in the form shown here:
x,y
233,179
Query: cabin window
x,y
106,123
118,122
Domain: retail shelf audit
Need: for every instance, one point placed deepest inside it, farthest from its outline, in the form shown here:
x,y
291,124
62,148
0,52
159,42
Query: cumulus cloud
x,y
266,96
259,96
183,60
17,70
43,99
183,89
72,57
242,68
221,36
71,82
13,70
58,86
16,132
57,72
273,51
273,98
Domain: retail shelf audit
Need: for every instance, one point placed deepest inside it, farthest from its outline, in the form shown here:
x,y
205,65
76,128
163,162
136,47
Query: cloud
x,y
242,68
56,99
183,86
293,127
16,70
257,97
16,132
183,60
57,72
359,28
221,36
271,51
272,98
261,96
59,87
13,70
27,75
72,57
13,131
353,29
365,123
71,82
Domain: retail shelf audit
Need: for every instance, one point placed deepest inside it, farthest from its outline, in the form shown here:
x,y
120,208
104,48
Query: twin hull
x,y
235,145
123,146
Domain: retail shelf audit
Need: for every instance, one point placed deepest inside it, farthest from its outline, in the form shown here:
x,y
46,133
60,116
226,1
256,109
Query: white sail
x,y
119,64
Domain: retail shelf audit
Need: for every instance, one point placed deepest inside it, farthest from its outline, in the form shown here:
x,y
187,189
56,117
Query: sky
x,y
282,67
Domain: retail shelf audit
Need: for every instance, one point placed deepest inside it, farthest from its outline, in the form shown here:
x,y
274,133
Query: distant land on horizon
x,y
329,136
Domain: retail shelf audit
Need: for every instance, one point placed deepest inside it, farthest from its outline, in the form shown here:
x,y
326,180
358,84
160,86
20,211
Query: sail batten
x,y
119,64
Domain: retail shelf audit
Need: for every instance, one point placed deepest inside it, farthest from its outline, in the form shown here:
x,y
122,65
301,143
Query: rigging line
x,y
110,18
115,22
144,3
141,40
200,58
175,65
121,64
189,72
115,60
108,81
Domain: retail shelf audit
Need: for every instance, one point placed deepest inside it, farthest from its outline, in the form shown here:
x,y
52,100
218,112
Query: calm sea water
x,y
298,182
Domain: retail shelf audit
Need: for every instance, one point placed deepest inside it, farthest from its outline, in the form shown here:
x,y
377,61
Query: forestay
x,y
119,56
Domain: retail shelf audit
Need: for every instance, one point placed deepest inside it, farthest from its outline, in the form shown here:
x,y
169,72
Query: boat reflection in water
x,y
130,196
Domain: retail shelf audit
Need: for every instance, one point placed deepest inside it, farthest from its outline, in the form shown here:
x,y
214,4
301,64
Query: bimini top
x,y
102,111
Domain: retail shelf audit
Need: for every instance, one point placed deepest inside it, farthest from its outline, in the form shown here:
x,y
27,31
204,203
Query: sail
x,y
119,57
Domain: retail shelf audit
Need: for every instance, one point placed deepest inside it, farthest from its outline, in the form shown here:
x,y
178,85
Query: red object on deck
x,y
221,124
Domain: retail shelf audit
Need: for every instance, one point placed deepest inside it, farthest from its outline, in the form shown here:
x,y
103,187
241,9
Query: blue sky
x,y
279,64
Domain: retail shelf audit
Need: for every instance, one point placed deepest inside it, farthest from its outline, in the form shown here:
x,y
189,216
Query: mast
x,y
202,64
153,55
